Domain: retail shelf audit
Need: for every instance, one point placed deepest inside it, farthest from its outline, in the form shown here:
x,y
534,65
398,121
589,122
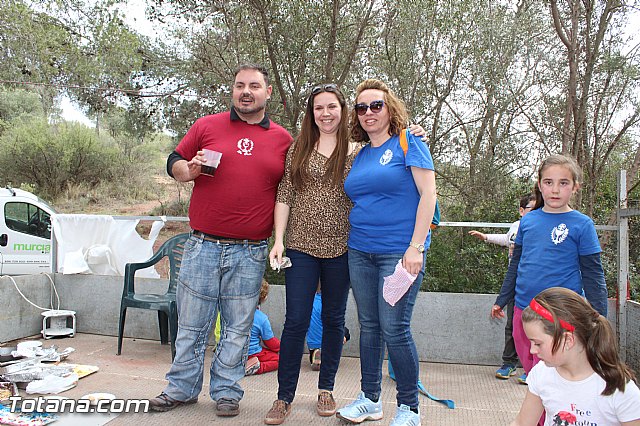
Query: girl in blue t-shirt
x,y
556,246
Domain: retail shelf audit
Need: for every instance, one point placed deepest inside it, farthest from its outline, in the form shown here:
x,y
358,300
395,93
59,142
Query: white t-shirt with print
x,y
580,402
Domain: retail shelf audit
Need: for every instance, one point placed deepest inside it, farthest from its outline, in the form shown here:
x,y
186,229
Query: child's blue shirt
x,y
261,329
552,244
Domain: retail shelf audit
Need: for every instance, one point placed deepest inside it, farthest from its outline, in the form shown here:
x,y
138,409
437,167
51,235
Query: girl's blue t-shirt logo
x,y
559,233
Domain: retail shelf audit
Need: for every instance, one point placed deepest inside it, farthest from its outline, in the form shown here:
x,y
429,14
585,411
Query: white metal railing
x,y
621,228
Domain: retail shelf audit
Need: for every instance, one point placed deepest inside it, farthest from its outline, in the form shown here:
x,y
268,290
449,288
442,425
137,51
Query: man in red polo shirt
x,y
231,214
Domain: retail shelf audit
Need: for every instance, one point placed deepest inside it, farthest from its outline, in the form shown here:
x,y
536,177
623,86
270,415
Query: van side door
x,y
25,238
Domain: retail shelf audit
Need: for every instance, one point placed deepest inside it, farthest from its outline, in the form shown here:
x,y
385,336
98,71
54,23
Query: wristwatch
x,y
419,247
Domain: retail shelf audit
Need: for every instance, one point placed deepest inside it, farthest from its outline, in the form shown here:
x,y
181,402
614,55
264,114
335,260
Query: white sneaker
x,y
360,410
405,417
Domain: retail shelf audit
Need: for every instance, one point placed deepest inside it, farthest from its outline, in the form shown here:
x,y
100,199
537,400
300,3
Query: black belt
x,y
225,240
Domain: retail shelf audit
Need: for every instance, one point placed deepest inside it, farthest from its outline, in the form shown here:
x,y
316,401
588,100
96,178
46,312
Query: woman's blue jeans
x,y
301,282
380,322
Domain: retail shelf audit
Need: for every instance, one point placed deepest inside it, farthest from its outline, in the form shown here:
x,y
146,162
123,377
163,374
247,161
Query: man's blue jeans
x,y
380,322
301,282
215,277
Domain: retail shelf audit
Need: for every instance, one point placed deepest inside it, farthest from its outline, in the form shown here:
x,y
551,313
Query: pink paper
x,y
397,284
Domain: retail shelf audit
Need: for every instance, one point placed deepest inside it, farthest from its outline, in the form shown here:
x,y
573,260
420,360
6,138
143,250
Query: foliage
x,y
16,104
461,264
54,158
302,43
51,157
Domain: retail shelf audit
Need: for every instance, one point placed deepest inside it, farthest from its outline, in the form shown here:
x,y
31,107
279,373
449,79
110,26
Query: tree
x,y
600,92
82,49
302,43
15,104
463,69
52,157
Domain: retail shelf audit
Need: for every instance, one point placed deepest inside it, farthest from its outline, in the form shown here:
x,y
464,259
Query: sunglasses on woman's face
x,y
376,106
330,87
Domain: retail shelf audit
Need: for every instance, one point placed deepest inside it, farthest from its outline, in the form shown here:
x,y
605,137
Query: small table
x,y
55,323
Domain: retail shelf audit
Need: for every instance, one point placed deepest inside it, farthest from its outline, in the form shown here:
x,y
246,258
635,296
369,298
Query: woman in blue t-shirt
x,y
394,198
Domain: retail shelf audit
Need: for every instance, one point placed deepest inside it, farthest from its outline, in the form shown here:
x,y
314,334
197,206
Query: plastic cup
x,y
213,160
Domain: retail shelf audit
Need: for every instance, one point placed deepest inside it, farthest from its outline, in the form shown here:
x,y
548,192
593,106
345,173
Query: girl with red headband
x,y
582,380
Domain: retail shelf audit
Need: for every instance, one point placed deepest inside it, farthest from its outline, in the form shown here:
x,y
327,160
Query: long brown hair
x,y
592,330
398,115
556,160
309,135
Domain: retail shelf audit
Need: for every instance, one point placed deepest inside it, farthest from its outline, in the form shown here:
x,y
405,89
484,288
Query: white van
x,y
25,233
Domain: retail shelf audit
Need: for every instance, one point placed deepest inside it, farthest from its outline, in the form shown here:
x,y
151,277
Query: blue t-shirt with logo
x,y
261,329
385,197
551,246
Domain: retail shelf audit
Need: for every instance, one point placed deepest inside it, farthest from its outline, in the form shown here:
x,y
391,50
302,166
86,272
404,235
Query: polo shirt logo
x,y
245,146
559,233
386,157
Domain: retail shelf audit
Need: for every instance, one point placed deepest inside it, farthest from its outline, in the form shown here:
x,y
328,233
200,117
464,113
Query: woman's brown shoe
x,y
326,404
279,411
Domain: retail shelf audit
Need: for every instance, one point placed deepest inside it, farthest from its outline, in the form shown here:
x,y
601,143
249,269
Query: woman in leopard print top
x,y
313,210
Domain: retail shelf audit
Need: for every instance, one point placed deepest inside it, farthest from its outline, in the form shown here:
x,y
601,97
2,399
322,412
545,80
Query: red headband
x,y
538,309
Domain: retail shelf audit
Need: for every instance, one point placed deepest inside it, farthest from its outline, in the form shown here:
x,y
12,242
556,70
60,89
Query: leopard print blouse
x,y
319,215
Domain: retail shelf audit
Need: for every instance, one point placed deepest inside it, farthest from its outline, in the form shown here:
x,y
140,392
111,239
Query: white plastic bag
x,y
53,384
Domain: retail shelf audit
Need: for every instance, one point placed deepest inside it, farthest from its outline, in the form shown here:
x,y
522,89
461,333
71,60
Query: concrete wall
x,y
447,327
18,318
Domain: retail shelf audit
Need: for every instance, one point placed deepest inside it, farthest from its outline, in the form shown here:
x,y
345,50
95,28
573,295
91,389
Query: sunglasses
x,y
329,87
376,106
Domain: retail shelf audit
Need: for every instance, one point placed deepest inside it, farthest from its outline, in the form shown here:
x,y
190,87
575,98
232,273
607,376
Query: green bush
x,y
50,157
459,263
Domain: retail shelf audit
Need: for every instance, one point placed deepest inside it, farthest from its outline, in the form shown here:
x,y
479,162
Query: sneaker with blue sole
x,y
522,379
506,371
360,410
405,417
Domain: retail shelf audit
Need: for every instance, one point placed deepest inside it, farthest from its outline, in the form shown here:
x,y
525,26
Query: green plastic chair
x,y
165,304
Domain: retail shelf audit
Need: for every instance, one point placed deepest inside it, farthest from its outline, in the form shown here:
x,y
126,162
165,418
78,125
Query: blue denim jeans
x,y
215,277
301,281
381,322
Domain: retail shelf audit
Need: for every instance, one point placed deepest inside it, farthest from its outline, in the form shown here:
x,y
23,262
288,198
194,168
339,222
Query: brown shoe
x,y
279,411
227,407
326,404
164,402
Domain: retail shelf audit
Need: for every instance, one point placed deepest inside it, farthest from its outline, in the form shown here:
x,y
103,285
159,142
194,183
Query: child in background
x,y
581,379
262,359
314,334
509,354
556,246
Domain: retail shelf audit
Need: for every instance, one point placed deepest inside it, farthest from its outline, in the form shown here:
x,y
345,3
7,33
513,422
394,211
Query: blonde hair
x,y
264,291
592,330
398,115
556,160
